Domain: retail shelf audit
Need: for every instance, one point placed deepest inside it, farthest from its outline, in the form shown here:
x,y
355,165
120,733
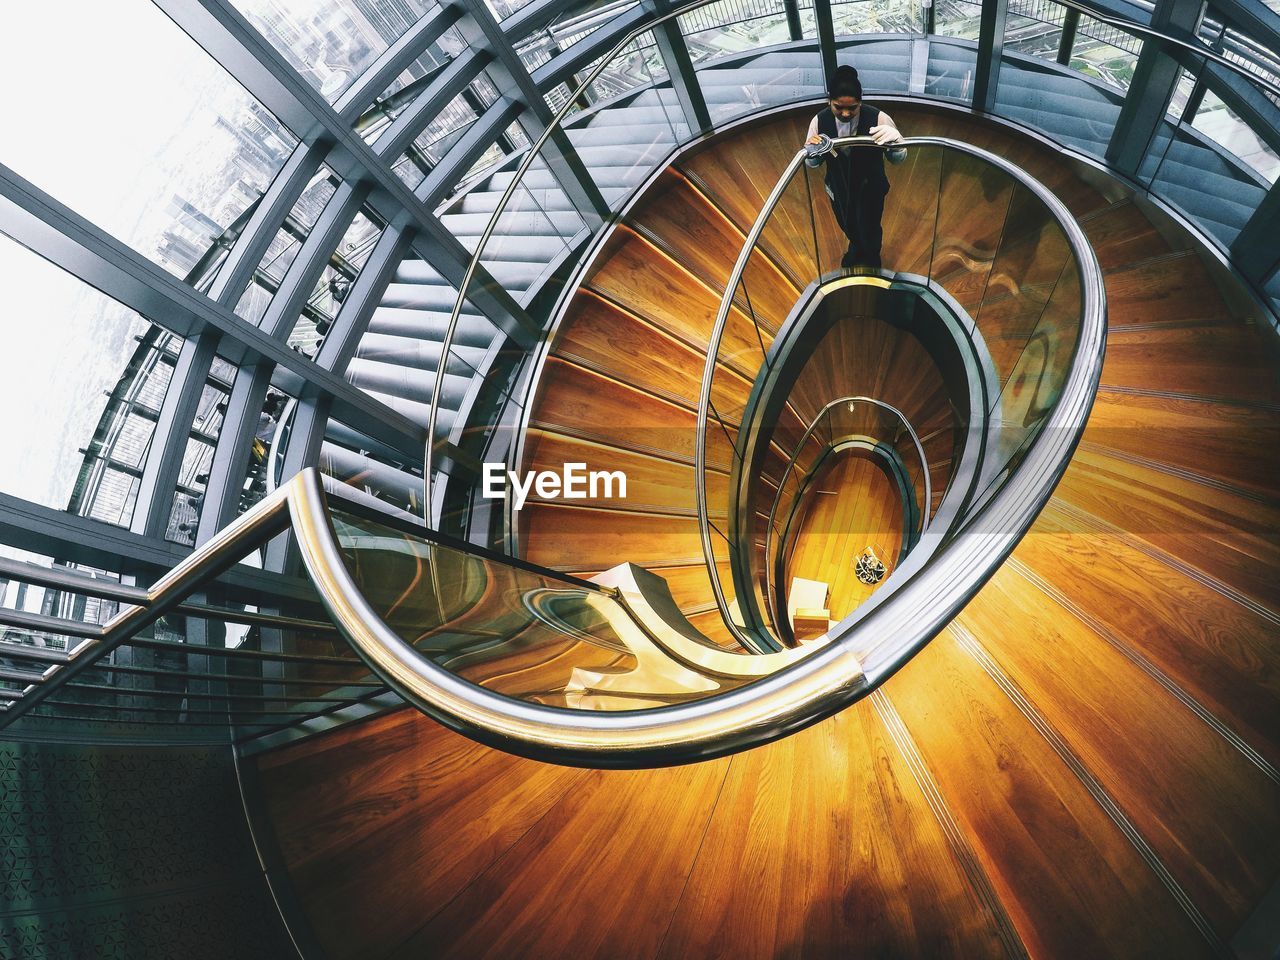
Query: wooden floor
x,y
852,505
1083,764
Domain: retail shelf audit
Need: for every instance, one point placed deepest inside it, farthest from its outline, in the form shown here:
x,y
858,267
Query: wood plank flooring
x,y
1083,765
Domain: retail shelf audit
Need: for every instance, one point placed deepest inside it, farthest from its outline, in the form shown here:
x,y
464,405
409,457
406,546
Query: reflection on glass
x,y
512,630
332,42
1105,53
527,633
195,152
1220,124
876,16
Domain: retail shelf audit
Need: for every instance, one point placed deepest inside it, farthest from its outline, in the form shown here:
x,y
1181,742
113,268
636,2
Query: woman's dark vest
x,y
858,163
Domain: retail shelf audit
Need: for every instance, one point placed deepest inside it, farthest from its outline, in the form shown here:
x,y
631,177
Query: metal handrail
x,y
795,454
1092,321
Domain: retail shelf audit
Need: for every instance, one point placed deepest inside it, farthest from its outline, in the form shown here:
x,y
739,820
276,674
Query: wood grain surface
x,y
1122,673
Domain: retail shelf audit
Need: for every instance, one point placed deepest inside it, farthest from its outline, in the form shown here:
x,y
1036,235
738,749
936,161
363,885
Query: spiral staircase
x,y
1085,759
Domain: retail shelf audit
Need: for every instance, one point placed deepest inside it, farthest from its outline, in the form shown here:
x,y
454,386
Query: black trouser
x,y
858,207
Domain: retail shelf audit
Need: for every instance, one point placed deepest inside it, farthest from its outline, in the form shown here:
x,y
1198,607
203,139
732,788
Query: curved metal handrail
x,y
795,454
803,693
1092,313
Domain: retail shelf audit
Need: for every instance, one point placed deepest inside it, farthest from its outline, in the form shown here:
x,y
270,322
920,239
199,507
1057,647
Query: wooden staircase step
x,y
1210,815
644,279
1228,538
403,792
1212,360
1238,445
1176,287
775,842
1223,655
633,351
697,234
1121,235
632,824
1067,875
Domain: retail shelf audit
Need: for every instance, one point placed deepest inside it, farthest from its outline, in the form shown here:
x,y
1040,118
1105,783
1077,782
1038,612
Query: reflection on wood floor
x,y
1082,765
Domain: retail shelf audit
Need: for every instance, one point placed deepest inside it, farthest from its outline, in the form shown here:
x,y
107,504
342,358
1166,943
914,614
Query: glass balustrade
x,y
959,226
555,195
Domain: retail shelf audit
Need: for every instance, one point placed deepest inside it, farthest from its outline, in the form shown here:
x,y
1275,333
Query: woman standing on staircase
x,y
856,182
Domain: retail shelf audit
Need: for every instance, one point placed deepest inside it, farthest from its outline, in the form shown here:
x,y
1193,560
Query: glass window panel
x,y
74,361
436,57
131,444
1181,94
286,244
957,18
484,89
536,51
334,284
1219,123
504,8
446,129
808,20
257,480
732,26
1034,29
405,89
197,456
876,16
409,172
1105,53
639,64
332,42
151,140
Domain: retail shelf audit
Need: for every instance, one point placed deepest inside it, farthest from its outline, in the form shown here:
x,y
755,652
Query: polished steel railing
x,y
1039,321
821,418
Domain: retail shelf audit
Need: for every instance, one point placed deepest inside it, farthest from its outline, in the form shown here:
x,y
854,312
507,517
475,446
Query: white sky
x,y
110,108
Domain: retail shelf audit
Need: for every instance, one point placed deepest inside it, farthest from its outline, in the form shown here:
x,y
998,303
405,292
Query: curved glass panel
x,y
518,630
152,141
957,227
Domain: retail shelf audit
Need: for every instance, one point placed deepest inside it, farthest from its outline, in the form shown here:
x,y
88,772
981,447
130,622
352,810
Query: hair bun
x,y
844,82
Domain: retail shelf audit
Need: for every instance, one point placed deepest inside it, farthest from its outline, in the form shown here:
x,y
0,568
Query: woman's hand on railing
x,y
885,134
